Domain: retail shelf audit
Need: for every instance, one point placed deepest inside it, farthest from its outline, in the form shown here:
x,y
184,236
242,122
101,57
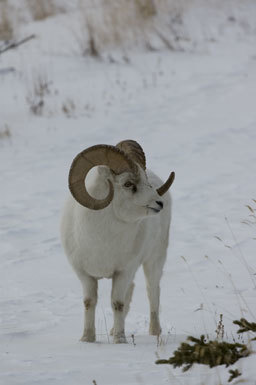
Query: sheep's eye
x,y
131,185
128,184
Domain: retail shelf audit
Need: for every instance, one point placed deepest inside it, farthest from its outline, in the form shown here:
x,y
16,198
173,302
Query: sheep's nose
x,y
160,203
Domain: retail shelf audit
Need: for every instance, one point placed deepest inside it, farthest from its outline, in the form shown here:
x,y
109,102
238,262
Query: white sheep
x,y
111,236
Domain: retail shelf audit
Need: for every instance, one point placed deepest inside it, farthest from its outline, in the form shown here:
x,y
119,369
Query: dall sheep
x,y
111,236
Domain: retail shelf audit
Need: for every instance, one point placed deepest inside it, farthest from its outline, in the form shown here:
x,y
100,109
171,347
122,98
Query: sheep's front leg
x,y
127,302
90,286
120,285
153,271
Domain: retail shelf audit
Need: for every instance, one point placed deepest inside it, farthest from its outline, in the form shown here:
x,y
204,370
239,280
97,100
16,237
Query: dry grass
x,y
251,220
120,24
146,8
86,37
36,95
69,108
6,28
250,270
41,9
220,329
5,132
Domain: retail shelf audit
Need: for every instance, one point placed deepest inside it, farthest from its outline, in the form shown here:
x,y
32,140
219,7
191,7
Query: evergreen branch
x,y
210,353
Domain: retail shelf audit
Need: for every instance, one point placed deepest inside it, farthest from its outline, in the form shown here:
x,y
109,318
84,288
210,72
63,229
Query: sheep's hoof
x,y
88,336
120,339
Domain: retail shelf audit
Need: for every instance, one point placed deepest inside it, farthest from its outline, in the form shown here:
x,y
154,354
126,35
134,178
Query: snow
x,y
193,111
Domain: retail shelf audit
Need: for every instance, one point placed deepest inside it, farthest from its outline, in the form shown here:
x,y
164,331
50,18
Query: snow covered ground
x,y
193,111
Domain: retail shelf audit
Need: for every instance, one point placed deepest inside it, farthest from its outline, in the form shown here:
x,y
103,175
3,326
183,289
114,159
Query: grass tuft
x,y
69,108
220,329
6,28
36,96
42,9
5,133
108,24
146,8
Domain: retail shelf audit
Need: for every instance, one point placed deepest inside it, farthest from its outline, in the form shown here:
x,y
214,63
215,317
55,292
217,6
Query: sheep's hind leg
x,y
90,286
127,302
153,271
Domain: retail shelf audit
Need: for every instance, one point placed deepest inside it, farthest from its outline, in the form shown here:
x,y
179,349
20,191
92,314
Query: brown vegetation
x,y
6,28
122,23
41,9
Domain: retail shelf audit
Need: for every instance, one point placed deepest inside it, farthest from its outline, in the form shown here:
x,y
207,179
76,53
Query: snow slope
x,y
193,112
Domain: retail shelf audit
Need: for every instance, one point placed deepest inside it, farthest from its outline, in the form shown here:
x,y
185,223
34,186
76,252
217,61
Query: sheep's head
x,y
125,170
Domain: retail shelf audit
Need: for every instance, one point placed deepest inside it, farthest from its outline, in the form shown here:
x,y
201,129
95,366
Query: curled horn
x,y
165,187
134,151
98,155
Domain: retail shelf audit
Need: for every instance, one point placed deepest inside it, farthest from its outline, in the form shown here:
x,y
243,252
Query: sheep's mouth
x,y
154,209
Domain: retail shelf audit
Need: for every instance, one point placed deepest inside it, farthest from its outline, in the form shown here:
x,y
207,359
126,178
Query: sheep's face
x,y
134,197
126,179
